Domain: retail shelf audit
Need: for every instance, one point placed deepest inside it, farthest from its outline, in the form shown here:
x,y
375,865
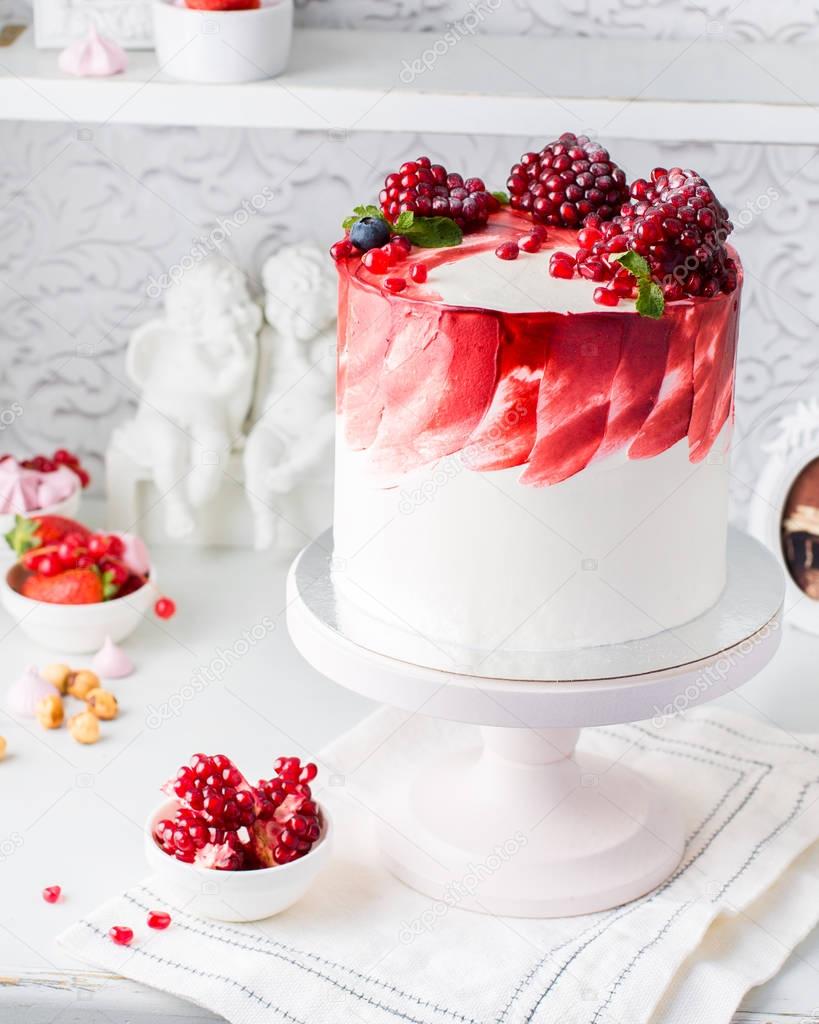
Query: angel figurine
x,y
195,368
293,420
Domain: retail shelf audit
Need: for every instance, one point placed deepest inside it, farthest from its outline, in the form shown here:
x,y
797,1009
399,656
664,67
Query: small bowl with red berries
x,y
234,851
40,485
71,587
222,40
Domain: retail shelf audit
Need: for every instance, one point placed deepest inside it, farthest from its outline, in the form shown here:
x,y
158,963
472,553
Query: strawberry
x,y
75,586
39,531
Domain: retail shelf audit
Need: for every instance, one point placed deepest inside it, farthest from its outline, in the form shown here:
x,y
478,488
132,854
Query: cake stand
x,y
530,826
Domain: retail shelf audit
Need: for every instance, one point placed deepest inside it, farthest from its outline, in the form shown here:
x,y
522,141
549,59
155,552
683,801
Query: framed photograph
x,y
59,22
784,511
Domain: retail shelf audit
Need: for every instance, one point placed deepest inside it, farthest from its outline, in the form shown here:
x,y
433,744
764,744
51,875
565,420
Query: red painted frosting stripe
x,y
575,395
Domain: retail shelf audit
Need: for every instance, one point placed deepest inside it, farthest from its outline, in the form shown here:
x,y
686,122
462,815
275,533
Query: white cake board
x,y
587,835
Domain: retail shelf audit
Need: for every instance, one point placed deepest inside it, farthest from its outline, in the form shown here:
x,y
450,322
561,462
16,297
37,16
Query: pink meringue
x,y
135,553
26,691
28,490
111,662
95,56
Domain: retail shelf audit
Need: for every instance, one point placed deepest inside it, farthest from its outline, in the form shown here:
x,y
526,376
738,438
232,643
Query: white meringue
x,y
26,691
111,662
93,57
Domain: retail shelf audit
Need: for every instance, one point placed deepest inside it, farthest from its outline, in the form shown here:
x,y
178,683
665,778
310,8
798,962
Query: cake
x,y
535,401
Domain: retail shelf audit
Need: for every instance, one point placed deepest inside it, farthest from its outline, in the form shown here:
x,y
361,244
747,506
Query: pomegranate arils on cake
x,y
507,251
429,190
566,181
227,824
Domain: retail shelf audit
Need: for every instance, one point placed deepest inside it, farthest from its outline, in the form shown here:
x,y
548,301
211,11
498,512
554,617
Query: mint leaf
x,y
633,262
433,232
359,212
650,301
502,198
404,223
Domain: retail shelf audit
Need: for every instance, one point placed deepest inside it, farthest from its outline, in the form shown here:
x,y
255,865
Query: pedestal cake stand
x,y
589,834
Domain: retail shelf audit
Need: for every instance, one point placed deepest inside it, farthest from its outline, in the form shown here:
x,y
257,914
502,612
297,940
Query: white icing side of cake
x,y
477,560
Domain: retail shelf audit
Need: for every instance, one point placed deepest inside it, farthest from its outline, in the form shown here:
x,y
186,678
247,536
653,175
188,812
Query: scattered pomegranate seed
x,y
159,919
567,180
606,296
121,935
530,243
507,251
51,893
341,250
395,284
418,272
395,253
562,265
376,260
165,608
402,242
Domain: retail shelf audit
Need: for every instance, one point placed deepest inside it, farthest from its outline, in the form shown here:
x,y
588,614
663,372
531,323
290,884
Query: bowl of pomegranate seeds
x,y
70,587
235,851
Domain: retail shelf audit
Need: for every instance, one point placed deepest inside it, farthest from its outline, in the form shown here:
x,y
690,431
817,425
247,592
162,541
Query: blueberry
x,y
369,233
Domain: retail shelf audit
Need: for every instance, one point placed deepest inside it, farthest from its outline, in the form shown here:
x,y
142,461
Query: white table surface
x,y
73,815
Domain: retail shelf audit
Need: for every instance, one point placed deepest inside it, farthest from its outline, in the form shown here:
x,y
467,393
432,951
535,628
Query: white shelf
x,y
708,90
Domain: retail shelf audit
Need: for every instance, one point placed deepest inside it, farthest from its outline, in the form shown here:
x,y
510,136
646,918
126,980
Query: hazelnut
x,y
84,727
2,747
58,675
103,704
49,711
81,683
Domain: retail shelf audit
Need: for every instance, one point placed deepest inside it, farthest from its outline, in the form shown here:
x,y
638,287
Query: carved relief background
x,y
91,220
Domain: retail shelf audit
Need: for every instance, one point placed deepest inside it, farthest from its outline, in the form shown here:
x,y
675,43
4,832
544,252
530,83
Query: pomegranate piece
x,y
530,243
341,250
561,264
395,284
121,935
606,297
376,260
418,273
429,190
566,181
51,893
507,251
159,920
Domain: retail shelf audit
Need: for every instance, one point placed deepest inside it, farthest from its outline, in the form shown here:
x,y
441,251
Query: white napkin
x,y
363,947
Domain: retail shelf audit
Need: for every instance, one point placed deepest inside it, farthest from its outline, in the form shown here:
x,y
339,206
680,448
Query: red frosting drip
x,y
419,380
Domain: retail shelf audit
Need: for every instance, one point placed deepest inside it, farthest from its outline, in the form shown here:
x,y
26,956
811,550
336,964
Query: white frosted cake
x,y
533,427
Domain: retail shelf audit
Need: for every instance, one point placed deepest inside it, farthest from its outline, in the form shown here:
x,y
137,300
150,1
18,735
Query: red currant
x,y
165,608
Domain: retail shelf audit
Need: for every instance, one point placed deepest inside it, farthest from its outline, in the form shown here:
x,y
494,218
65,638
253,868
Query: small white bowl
x,y
237,895
222,46
68,507
75,628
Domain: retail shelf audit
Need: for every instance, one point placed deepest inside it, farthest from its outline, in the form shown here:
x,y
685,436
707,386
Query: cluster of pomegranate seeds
x,y
225,823
566,181
429,190
674,223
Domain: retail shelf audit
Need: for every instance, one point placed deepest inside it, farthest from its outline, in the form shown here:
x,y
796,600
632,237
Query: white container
x,y
223,46
237,895
68,507
75,628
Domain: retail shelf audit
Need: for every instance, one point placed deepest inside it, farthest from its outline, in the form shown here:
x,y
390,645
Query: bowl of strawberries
x,y
235,851
222,40
71,587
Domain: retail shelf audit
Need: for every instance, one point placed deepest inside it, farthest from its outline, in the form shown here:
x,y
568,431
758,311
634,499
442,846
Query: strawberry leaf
x,y
109,587
22,536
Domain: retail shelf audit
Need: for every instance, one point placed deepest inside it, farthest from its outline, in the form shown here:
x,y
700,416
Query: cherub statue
x,y
195,368
293,420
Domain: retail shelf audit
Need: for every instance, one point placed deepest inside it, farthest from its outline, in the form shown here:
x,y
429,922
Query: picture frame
x,y
59,22
784,511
